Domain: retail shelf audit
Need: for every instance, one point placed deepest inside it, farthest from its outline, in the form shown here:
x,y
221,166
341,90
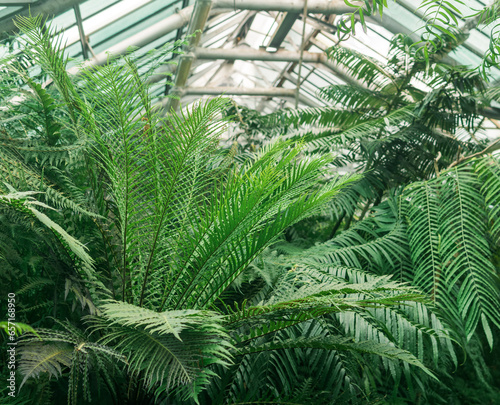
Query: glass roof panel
x,y
131,24
91,7
6,11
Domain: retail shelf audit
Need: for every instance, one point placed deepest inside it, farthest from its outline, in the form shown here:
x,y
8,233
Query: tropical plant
x,y
441,18
387,126
142,249
426,210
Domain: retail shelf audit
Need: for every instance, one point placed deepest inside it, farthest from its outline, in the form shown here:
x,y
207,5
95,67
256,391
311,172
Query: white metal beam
x,y
278,56
245,91
150,34
244,53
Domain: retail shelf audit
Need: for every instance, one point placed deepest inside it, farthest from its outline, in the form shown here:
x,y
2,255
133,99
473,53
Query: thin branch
x,y
489,149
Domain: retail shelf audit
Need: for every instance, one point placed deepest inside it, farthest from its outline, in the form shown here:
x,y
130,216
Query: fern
x,y
368,347
24,203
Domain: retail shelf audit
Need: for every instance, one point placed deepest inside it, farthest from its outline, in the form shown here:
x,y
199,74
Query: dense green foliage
x,y
156,266
426,209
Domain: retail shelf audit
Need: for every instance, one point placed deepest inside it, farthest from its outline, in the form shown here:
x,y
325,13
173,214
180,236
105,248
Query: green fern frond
x,y
360,247
45,49
344,344
488,170
170,349
22,202
19,327
447,232
41,358
52,352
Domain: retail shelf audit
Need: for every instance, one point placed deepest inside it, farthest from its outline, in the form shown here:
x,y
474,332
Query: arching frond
x,y
447,230
360,247
43,358
338,343
488,170
361,67
23,202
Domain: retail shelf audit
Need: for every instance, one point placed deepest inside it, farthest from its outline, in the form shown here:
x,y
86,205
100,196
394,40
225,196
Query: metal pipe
x,y
47,8
314,6
278,56
242,53
240,91
150,34
196,25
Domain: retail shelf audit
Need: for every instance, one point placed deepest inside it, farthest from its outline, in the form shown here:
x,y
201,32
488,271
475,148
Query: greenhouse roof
x,y
257,51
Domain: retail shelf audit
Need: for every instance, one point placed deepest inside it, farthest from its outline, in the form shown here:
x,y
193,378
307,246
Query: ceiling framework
x,y
249,49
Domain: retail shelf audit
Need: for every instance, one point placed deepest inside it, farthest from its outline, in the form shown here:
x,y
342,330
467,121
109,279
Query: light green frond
x,y
361,67
45,50
18,328
161,323
361,247
172,349
44,358
257,206
305,294
354,97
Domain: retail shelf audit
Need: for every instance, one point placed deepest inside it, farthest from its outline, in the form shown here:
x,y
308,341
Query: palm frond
x,y
488,170
40,358
262,202
45,50
361,67
52,352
